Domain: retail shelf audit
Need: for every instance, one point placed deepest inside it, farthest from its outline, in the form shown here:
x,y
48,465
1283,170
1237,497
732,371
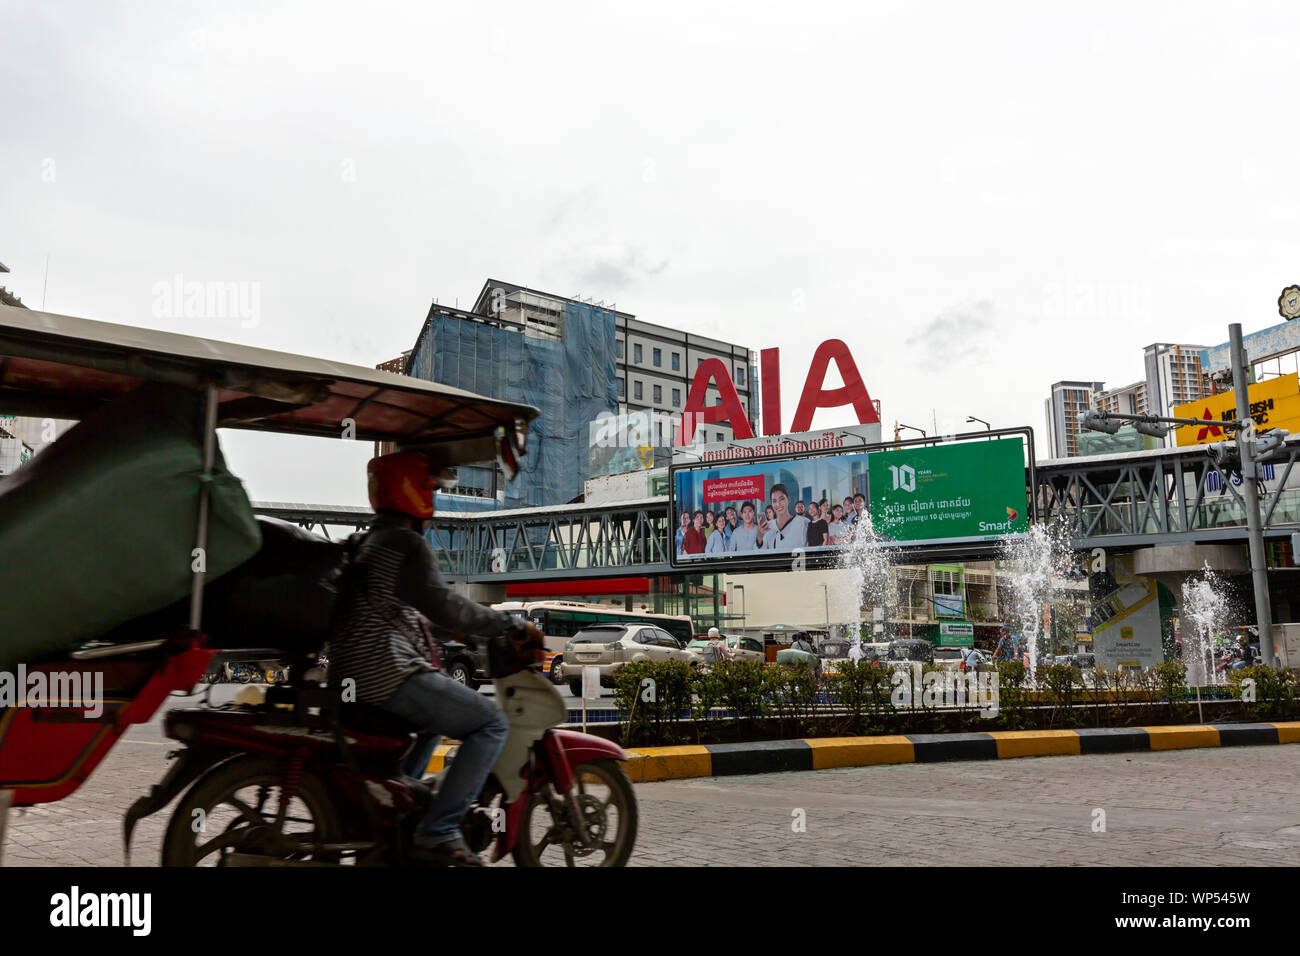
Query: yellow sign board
x,y
1274,403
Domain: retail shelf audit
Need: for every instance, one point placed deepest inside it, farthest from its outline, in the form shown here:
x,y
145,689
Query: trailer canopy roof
x,y
61,366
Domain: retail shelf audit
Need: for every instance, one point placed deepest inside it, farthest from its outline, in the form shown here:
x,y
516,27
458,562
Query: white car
x,y
952,658
607,647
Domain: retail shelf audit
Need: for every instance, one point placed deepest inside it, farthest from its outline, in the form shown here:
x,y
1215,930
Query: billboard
x,y
950,493
1274,403
1126,615
750,512
617,444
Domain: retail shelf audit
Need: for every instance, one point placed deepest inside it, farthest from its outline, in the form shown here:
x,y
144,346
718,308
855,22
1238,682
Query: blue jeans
x,y
437,705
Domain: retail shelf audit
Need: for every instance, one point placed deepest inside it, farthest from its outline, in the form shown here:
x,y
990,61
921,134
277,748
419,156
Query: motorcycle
x,y
306,780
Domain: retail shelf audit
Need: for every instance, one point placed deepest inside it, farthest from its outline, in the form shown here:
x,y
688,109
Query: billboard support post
x,y
1249,473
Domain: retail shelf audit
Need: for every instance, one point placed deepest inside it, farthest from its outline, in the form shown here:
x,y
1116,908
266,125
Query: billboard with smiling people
x,y
962,495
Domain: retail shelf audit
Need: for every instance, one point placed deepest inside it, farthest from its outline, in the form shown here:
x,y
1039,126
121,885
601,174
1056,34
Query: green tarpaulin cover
x,y
100,526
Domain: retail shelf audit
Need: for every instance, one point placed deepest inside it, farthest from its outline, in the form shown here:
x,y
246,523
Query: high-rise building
x,y
1174,377
654,365
1062,410
1126,400
574,359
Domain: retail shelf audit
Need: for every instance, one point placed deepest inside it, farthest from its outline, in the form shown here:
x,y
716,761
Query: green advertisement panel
x,y
967,492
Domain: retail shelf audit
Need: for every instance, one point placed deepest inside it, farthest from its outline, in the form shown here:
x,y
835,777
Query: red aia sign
x,y
730,410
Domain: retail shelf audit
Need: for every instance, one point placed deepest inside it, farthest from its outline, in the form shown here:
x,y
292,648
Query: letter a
x,y
852,393
729,409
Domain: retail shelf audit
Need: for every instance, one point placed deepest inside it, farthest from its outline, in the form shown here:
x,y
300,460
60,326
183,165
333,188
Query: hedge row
x,y
670,702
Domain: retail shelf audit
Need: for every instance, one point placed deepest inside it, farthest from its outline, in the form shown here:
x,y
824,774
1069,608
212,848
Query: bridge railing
x,y
1174,496
588,539
1182,494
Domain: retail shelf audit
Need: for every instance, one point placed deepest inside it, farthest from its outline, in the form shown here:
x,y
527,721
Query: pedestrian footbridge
x,y
1124,503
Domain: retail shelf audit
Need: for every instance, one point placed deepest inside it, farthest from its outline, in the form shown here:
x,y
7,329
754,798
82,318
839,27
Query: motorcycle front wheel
x,y
608,805
234,809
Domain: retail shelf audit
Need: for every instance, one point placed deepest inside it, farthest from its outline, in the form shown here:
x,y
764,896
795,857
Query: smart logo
x,y
988,526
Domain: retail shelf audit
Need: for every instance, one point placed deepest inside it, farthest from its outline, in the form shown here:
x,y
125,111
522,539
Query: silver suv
x,y
607,647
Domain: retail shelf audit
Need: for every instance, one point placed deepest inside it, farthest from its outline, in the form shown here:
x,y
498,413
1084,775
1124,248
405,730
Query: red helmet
x,y
402,482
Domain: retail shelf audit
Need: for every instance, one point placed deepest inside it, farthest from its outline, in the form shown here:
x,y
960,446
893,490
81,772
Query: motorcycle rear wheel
x,y
232,809
602,787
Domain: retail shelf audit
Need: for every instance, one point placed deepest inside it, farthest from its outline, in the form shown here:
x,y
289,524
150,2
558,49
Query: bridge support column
x,y
1172,565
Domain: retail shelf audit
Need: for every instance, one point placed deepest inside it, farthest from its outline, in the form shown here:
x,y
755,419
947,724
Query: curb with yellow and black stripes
x,y
645,764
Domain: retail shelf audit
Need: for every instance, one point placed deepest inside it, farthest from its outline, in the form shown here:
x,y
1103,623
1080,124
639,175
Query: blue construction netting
x,y
572,381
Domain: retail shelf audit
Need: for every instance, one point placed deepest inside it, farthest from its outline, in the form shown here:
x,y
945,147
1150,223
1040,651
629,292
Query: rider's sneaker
x,y
454,852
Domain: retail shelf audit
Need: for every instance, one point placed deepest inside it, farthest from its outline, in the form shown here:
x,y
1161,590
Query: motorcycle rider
x,y
380,645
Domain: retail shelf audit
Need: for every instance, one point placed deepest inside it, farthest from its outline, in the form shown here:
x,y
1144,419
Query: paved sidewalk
x,y
1207,807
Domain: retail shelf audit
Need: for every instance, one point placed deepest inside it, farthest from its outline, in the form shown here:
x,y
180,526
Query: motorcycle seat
x,y
369,719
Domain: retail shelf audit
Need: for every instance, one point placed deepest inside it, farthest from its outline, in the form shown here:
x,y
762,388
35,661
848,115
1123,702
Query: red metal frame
x,y
47,753
555,756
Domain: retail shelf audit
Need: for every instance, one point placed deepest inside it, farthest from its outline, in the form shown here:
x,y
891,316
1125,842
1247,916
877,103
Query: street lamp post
x,y
1249,473
972,418
898,426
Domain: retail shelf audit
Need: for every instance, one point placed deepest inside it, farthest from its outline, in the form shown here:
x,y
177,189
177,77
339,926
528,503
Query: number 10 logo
x,y
904,477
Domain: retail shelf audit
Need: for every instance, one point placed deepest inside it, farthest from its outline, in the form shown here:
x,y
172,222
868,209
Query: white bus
x,y
560,620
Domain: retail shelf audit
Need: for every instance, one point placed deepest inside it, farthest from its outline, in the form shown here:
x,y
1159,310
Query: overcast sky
x,y
980,199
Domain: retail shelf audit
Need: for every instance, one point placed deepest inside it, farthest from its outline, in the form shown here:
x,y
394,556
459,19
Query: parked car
x,y
875,651
949,658
607,647
742,649
832,653
910,649
465,661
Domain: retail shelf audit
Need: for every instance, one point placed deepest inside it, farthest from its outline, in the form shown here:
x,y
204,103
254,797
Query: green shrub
x,y
863,688
791,691
1013,699
1275,692
739,686
1058,683
650,711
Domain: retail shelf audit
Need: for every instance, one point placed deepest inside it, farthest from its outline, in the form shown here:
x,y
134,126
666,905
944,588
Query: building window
x,y
677,397
720,438
658,358
622,388
636,390
677,362
659,394
636,354
740,375
622,348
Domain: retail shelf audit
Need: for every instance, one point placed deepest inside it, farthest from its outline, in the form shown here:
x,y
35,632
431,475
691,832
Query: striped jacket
x,y
378,640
